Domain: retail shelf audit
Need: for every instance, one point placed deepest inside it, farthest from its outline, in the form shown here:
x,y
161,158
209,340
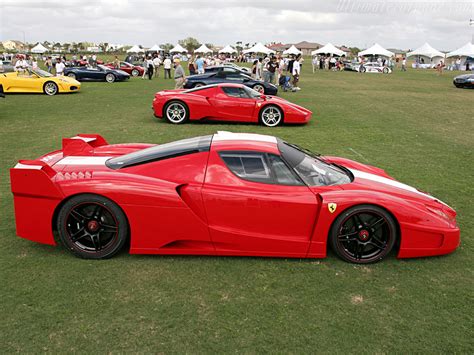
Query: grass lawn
x,y
415,125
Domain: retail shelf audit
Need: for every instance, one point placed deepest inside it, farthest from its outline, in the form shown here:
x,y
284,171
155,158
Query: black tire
x,y
385,70
72,75
110,78
50,88
135,72
271,116
363,234
362,70
176,112
92,227
459,86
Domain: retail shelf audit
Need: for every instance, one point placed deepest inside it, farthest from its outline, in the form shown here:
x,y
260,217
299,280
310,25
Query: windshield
x,y
254,94
313,170
103,67
41,73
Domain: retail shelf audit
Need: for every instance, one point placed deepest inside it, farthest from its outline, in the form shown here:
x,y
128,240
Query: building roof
x,y
307,45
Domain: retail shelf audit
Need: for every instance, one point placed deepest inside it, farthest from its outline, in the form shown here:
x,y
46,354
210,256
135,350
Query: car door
x,y
255,205
24,82
232,103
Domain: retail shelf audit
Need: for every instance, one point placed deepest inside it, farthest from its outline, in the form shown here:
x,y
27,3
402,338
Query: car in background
x,y
234,194
372,67
98,73
215,68
227,102
230,75
464,81
6,66
37,81
133,70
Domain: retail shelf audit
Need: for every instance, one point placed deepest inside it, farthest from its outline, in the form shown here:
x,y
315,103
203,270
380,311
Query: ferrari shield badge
x,y
332,207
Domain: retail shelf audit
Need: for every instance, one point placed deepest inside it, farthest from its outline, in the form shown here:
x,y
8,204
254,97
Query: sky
x,y
361,23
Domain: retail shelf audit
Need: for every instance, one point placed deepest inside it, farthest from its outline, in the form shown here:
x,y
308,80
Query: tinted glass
x,y
231,91
163,151
283,174
249,166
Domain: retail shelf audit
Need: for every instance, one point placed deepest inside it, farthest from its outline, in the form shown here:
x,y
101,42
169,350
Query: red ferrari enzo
x,y
227,102
133,70
223,194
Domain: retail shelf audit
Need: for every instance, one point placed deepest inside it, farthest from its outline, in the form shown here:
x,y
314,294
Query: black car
x,y
227,74
98,73
464,81
215,68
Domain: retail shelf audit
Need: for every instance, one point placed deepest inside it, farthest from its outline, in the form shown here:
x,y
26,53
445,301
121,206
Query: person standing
x,y
150,67
21,65
440,67
271,69
59,67
259,72
167,67
49,64
192,66
200,65
296,70
315,62
116,63
404,64
179,76
156,64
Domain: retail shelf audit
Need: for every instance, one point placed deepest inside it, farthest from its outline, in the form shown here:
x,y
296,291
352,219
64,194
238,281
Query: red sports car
x,y
223,194
133,70
227,102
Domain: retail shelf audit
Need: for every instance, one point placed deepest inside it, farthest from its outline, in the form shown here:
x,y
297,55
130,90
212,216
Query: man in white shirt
x,y
156,64
59,67
21,65
296,73
167,67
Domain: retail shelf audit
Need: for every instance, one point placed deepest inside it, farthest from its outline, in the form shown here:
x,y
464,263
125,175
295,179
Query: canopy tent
x,y
329,49
228,50
203,49
292,50
376,50
135,49
465,51
259,48
178,49
429,52
156,48
39,48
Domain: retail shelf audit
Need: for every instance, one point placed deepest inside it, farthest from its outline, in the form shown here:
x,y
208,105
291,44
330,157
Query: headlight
x,y
440,213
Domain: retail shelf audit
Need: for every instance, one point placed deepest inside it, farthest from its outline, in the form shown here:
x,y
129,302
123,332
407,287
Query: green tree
x,y
104,46
190,44
238,46
167,47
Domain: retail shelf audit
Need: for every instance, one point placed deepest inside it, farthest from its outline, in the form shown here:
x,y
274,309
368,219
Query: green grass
x,y
415,125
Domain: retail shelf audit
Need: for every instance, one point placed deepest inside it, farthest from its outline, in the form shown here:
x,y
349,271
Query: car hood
x,y
464,77
201,76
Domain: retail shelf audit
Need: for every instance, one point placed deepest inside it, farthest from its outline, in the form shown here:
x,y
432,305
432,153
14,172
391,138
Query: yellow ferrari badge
x,y
332,207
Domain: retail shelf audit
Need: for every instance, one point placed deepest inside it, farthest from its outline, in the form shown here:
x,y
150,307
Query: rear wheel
x,y
92,226
72,75
385,70
110,78
271,116
362,70
135,72
176,112
259,88
50,88
363,234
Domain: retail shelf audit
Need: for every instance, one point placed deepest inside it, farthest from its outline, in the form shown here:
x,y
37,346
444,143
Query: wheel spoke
x,y
78,216
97,212
78,235
357,220
108,228
96,242
380,222
347,237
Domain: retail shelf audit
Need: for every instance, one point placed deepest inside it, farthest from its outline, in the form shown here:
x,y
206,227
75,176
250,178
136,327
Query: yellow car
x,y
37,81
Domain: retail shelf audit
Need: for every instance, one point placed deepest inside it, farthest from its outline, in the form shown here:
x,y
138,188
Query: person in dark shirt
x,y
272,66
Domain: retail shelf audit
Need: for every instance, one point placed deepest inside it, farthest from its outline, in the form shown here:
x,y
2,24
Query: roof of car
x,y
230,136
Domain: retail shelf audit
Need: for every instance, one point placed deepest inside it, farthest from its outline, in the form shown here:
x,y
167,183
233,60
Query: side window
x,y
260,167
249,166
231,91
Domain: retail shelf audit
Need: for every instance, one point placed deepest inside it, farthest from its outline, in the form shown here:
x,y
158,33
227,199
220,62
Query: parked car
x,y
230,75
215,68
227,102
464,81
372,67
228,193
98,73
6,66
133,70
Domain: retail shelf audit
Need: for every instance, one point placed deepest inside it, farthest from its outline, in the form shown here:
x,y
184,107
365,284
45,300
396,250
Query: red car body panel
x,y
127,68
214,104
193,204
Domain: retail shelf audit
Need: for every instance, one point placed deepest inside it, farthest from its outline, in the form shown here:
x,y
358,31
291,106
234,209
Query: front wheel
x,y
363,234
135,72
385,70
110,78
72,75
176,112
50,88
271,116
92,226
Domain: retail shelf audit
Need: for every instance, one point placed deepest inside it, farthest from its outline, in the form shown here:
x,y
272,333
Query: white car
x,y
373,67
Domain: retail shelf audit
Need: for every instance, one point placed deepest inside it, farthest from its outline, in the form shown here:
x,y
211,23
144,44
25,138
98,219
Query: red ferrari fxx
x,y
223,194
227,102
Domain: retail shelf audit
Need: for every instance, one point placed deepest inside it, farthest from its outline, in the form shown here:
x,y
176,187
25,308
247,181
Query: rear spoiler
x,y
82,144
33,178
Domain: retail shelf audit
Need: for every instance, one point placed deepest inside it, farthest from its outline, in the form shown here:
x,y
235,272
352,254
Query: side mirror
x,y
263,97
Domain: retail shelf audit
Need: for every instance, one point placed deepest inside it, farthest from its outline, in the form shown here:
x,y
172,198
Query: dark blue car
x,y
98,73
226,74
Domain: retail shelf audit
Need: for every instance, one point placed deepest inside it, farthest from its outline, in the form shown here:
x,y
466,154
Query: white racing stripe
x,y
26,166
79,160
230,136
394,183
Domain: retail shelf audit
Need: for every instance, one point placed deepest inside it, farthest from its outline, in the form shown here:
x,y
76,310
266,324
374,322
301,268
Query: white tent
x,y
433,56
178,49
39,48
292,50
203,49
135,49
227,49
156,48
376,50
465,51
259,48
329,49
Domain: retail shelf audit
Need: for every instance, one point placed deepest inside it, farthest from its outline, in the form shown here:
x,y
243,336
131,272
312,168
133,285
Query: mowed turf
x,y
415,125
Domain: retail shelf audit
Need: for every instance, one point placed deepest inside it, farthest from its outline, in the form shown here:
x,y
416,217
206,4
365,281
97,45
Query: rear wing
x,y
33,178
82,144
